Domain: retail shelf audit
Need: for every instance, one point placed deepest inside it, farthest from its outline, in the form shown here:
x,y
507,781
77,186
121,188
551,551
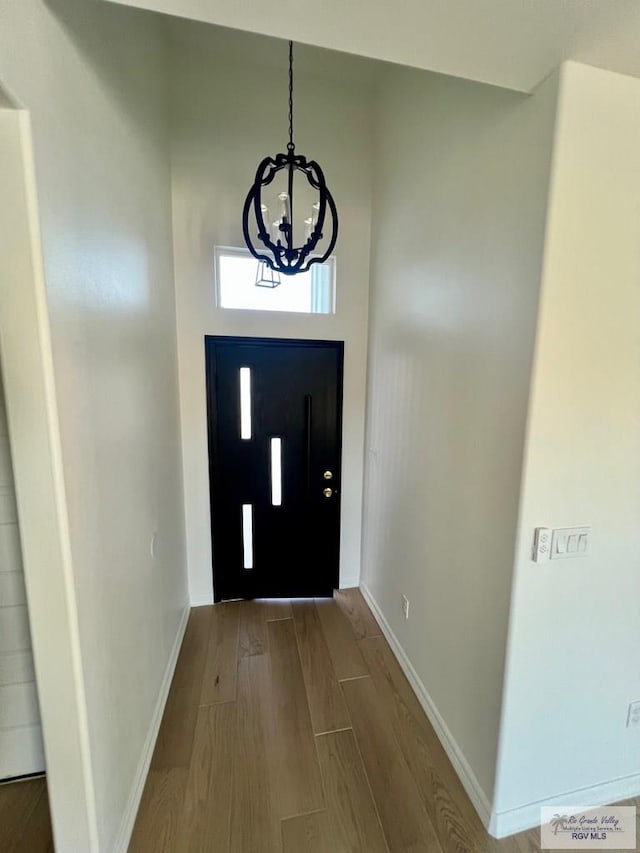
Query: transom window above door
x,y
244,283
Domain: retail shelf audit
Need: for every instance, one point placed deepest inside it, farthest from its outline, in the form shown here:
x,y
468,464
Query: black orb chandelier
x,y
274,243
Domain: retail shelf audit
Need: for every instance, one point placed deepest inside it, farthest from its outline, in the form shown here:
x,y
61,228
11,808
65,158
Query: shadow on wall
x,y
95,29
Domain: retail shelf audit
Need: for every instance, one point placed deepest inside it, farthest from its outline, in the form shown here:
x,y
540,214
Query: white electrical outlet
x,y
633,715
405,606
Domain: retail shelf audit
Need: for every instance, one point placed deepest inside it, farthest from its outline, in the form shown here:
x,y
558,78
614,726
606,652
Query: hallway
x,y
290,726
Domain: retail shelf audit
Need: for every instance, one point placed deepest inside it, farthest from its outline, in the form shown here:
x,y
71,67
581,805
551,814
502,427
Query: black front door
x,y
275,412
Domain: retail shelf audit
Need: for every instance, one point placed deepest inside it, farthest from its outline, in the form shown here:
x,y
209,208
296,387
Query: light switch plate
x,y
560,543
570,542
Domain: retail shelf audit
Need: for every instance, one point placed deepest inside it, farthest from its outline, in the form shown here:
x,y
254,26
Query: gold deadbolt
x,y
327,492
328,475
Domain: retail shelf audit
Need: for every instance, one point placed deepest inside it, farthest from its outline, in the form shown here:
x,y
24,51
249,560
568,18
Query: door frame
x,y
210,342
32,413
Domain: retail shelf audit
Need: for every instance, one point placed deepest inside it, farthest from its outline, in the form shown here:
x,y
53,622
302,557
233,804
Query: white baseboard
x,y
202,602
129,817
528,816
456,756
522,818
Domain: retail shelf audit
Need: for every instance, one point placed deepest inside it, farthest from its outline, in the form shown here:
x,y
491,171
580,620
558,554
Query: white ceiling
x,y
509,43
261,53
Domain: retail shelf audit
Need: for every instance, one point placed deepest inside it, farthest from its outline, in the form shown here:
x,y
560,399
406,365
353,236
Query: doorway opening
x,y
275,431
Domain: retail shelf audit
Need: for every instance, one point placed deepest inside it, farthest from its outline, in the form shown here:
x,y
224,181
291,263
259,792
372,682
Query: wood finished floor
x,y
25,825
290,727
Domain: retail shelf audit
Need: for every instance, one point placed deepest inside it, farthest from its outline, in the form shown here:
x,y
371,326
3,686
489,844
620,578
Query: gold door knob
x,y
328,475
327,492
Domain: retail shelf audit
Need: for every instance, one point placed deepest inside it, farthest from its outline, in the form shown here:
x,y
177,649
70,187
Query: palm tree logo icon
x,y
558,822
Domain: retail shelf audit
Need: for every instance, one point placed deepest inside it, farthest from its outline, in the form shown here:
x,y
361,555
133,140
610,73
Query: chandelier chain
x,y
290,145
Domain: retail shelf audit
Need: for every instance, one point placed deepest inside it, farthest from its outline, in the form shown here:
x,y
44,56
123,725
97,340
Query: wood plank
x,y
353,818
18,801
221,667
175,739
254,616
206,812
160,815
447,803
404,819
37,836
255,824
326,702
312,833
457,823
355,608
275,608
253,630
524,842
297,771
343,648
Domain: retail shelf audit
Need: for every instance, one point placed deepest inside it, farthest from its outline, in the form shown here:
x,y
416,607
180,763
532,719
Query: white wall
x,y
93,79
572,664
229,110
459,209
